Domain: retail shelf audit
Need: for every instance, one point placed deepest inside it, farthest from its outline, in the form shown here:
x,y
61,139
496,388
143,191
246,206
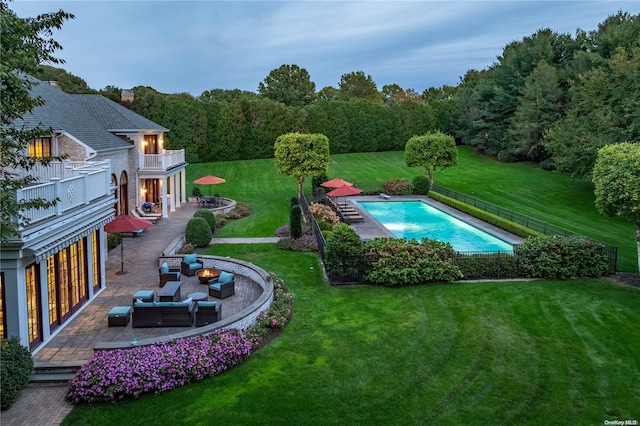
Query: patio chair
x,y
208,313
168,274
224,286
190,265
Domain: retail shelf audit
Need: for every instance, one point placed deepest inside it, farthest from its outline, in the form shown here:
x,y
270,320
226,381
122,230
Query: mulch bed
x,y
627,278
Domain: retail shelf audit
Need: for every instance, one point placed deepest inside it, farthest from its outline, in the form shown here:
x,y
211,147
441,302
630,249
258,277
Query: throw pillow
x,y
190,258
164,268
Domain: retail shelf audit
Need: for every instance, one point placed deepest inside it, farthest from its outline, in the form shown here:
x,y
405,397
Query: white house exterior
x,y
115,162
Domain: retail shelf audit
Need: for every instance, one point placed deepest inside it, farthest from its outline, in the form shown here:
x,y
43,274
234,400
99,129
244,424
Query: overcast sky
x,y
193,46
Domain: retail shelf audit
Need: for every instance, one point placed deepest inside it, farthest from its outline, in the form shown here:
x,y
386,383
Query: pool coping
x,y
371,228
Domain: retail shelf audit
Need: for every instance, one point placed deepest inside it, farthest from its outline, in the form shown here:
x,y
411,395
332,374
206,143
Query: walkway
x,y
46,405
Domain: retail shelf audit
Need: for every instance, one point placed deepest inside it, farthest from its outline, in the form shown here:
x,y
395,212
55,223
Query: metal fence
x,y
528,221
317,232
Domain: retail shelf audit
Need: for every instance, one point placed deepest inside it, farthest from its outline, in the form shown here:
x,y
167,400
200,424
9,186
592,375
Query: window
x,y
40,147
52,289
95,260
33,311
3,326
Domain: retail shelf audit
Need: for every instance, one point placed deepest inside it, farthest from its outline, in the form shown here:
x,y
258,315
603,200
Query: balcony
x,y
72,183
166,161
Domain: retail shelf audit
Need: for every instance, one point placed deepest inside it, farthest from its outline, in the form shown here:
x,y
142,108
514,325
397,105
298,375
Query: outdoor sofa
x,y
163,314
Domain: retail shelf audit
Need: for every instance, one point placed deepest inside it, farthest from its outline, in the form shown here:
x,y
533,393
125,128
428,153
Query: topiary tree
x,y
616,175
421,185
295,221
432,151
301,155
207,215
15,370
344,253
198,232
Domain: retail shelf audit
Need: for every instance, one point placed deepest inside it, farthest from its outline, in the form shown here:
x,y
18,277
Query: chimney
x,y
126,95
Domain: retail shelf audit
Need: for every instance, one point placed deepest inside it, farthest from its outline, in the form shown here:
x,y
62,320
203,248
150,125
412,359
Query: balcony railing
x,y
73,186
166,161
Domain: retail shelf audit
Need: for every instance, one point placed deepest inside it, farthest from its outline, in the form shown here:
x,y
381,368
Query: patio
x,y
74,344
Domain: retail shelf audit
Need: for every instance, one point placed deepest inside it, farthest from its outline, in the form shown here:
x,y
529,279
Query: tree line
x,y
550,98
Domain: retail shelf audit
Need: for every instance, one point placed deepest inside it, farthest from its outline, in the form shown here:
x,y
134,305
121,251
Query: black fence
x,y
528,221
474,265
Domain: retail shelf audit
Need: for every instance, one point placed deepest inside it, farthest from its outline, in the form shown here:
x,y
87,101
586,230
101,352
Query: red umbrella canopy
x,y
336,183
343,191
209,180
126,223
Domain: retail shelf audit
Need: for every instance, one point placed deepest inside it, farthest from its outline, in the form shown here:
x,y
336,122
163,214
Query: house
x,y
115,162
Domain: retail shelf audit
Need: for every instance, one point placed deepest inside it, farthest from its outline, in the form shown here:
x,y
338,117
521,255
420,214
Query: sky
x,y
194,46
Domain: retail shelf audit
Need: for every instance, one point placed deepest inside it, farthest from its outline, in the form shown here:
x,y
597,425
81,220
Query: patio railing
x,y
166,161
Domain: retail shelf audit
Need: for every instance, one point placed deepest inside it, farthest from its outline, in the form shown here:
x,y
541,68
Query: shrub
x,y
316,181
421,185
195,192
15,370
295,221
562,257
186,248
284,231
399,262
239,211
121,373
488,265
207,215
325,214
548,164
344,253
113,240
397,187
277,318
198,232
294,201
319,195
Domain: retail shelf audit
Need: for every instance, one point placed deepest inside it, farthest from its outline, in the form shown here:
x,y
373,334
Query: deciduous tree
x,y
301,155
25,44
616,175
432,151
290,85
357,85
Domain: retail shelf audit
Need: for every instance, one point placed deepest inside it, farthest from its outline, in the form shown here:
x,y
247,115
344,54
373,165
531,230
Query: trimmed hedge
x,y
15,370
488,265
198,232
344,254
502,223
562,257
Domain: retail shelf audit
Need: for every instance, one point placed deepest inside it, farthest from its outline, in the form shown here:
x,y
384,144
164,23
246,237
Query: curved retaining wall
x,y
241,320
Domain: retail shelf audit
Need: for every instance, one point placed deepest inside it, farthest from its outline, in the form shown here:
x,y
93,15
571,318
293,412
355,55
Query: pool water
x,y
416,219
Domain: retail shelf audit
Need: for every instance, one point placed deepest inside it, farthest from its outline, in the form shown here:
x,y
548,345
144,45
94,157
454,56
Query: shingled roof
x,y
114,117
63,113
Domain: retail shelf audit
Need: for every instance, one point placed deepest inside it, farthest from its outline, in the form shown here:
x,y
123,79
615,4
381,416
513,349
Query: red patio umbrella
x,y
209,180
336,183
125,223
343,191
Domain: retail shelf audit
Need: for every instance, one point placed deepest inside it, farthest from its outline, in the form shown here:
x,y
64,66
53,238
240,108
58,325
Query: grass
x,y
538,352
523,187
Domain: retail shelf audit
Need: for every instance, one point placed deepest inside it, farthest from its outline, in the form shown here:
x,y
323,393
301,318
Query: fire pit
x,y
207,274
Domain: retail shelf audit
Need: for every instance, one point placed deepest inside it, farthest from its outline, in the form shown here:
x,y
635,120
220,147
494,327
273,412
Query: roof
x,y
114,116
62,113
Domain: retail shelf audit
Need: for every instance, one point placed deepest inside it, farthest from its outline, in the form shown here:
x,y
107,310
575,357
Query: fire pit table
x,y
207,274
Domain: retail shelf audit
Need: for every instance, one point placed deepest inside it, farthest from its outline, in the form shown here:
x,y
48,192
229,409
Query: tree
x,y
25,44
328,93
357,85
432,151
290,85
68,82
616,175
301,155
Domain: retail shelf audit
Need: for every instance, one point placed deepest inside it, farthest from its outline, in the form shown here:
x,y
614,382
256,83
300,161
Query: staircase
x,y
54,374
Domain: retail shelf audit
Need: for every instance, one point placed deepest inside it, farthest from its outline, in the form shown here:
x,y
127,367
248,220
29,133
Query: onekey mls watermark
x,y
627,422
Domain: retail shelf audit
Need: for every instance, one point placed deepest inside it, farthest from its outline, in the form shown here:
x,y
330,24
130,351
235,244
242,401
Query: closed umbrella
x,y
125,223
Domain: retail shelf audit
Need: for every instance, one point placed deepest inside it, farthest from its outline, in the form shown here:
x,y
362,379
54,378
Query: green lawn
x,y
523,187
543,352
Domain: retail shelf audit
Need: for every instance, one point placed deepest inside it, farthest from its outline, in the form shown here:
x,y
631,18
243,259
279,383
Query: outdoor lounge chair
x,y
190,265
224,286
208,313
168,274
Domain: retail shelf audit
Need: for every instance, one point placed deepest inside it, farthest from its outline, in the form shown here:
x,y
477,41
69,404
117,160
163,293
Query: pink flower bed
x,y
117,374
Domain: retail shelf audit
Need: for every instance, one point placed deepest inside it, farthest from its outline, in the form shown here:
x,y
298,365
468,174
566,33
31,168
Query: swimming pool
x,y
416,219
